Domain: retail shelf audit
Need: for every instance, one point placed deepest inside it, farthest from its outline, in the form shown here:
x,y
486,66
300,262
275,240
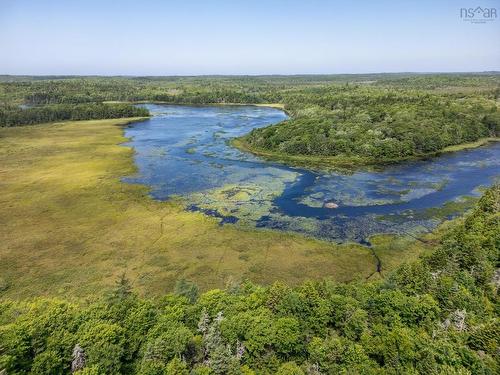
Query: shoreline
x,y
268,105
321,162
331,162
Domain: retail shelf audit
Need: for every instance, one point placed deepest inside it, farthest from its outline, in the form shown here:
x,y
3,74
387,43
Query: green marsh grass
x,y
69,226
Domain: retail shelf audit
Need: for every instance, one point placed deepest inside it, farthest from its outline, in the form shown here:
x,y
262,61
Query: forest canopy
x,y
377,123
15,116
437,315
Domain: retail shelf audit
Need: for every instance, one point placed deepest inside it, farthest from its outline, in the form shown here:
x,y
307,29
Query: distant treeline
x,y
436,315
374,117
15,116
224,89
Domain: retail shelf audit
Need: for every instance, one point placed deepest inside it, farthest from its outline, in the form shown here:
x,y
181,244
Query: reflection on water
x,y
183,151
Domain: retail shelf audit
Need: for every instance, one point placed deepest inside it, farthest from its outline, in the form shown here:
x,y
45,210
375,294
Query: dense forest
x,y
437,315
229,89
15,116
377,123
370,117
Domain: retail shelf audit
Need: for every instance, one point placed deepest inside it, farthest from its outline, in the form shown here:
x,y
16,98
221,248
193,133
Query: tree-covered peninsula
x,y
358,124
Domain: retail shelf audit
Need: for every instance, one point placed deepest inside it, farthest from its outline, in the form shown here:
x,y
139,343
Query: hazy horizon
x,y
249,75
195,38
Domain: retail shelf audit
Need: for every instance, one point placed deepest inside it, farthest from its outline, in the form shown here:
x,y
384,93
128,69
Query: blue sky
x,y
153,37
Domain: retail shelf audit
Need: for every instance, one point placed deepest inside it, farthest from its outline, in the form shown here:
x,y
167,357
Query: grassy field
x,y
465,146
70,227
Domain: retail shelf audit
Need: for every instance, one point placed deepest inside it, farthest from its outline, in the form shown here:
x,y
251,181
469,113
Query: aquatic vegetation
x,y
449,209
314,199
239,188
248,201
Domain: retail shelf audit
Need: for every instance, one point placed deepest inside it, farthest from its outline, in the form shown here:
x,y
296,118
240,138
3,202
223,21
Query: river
x,y
183,151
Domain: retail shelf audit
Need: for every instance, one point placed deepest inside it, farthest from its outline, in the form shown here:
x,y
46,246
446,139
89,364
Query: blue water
x,y
184,152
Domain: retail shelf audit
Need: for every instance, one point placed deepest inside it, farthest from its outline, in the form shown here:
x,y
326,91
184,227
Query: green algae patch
x,y
248,201
450,209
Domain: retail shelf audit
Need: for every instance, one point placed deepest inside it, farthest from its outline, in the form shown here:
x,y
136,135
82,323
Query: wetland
x,y
185,152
